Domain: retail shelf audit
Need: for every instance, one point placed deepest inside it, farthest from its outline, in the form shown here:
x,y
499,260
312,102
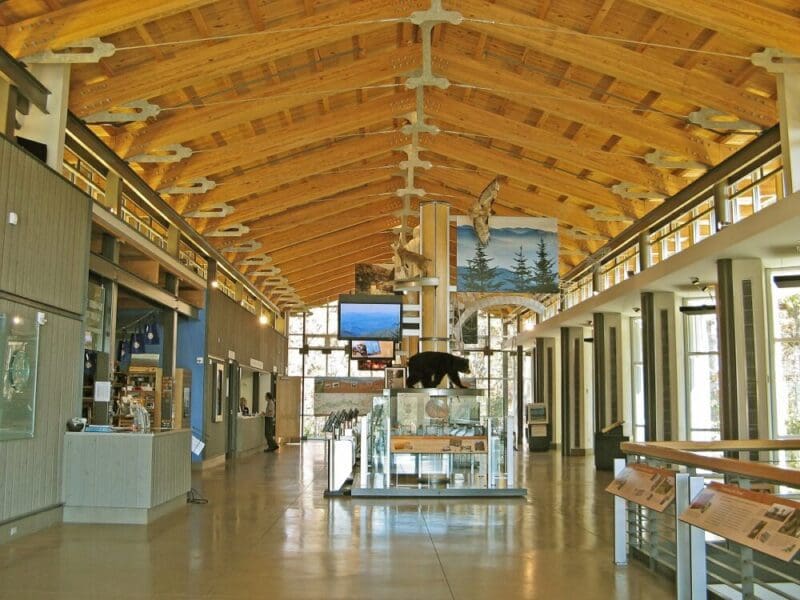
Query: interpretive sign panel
x,y
759,521
645,485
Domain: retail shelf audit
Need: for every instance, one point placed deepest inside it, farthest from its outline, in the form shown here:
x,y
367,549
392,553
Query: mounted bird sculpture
x,y
481,210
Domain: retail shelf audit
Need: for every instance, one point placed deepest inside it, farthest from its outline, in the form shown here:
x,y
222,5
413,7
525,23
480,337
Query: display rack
x,y
435,442
144,386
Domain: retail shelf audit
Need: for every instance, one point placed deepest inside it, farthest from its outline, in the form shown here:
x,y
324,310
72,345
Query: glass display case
x,y
435,442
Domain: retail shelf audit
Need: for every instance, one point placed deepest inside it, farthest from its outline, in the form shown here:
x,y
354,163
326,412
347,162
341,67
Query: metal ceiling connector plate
x,y
776,61
167,154
254,261
138,110
599,214
665,160
199,185
709,118
265,272
236,230
90,50
250,246
632,191
215,211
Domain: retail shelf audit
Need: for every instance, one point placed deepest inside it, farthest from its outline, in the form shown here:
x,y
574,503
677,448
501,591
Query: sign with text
x,y
648,486
759,521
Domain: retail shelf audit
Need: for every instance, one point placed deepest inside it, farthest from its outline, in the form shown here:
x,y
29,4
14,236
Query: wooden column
x,y
435,246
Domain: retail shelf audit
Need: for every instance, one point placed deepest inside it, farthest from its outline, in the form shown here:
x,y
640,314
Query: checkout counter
x,y
125,477
250,434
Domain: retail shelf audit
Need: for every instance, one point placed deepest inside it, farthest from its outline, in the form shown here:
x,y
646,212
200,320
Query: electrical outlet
x,y
12,532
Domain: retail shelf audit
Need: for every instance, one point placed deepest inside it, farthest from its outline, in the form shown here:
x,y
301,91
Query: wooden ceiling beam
x,y
248,151
330,268
613,119
57,29
309,230
748,20
311,190
194,65
615,60
333,244
531,173
191,123
334,155
471,119
330,288
299,258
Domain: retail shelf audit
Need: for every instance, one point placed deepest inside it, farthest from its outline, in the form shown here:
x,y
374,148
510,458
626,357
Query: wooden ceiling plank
x,y
255,14
747,20
181,126
505,82
195,65
90,18
529,172
269,176
333,244
315,188
297,258
246,151
613,59
326,269
472,119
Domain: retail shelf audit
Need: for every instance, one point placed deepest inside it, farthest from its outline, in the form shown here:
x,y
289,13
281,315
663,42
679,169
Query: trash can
x,y
606,446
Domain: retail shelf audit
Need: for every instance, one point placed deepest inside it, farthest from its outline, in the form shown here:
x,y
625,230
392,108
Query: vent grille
x,y
612,367
750,359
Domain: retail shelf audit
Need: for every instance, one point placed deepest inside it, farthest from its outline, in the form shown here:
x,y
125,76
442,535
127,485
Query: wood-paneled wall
x,y
44,256
44,261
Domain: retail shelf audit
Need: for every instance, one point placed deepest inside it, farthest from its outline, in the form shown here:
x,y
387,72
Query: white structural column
x,y
742,326
49,129
547,383
609,333
664,389
787,75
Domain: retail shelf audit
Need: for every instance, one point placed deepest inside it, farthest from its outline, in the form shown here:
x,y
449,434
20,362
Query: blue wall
x,y
191,346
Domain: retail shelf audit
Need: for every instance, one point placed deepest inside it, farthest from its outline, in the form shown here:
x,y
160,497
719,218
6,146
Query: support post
x,y
620,520
435,246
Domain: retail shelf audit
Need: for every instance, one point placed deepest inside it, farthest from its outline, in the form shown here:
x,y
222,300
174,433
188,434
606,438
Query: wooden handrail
x,y
683,453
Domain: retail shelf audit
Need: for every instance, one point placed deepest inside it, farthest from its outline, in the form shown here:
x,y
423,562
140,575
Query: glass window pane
x,y
703,381
316,364
702,333
19,354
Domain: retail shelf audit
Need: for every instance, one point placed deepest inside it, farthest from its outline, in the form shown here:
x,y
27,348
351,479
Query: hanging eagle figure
x,y
481,210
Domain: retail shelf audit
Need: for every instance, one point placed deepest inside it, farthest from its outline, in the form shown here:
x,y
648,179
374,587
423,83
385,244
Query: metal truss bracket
x,y
256,261
632,191
599,214
235,230
138,110
167,154
580,235
709,118
265,273
90,50
665,160
250,246
409,191
196,186
215,211
776,61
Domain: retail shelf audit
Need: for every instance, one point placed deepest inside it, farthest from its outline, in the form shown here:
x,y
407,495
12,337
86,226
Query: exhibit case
x,y
435,442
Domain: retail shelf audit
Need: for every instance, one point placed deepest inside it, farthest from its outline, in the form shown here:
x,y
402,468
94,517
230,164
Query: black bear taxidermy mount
x,y
429,368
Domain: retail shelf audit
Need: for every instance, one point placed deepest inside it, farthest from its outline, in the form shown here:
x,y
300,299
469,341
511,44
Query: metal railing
x,y
704,564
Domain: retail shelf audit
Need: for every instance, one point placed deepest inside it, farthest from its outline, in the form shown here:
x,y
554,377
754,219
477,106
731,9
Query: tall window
x,y
702,376
786,357
637,384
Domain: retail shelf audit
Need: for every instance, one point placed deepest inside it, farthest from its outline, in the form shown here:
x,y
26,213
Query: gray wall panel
x,y
31,468
45,256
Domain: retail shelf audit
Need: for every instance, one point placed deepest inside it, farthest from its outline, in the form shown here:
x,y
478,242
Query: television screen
x,y
373,364
370,317
371,349
537,413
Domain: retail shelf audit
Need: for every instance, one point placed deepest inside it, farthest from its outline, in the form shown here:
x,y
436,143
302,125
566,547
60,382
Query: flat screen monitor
x,y
537,413
374,349
370,317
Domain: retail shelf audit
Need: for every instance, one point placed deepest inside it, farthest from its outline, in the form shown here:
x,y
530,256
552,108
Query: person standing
x,y
269,423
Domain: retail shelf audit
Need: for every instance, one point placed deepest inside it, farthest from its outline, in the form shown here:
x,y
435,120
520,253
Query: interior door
x,y
232,407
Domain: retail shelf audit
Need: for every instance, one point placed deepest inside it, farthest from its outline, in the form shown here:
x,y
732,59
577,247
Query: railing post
x,y
697,550
683,553
620,521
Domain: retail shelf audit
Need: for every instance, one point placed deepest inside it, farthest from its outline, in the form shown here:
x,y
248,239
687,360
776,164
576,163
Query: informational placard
x,y
645,485
410,415
759,521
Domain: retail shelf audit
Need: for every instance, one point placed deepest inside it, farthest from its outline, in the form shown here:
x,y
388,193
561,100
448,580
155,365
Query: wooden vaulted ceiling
x,y
294,109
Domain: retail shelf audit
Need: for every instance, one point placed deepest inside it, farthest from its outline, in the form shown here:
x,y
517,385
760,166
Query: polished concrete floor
x,y
268,532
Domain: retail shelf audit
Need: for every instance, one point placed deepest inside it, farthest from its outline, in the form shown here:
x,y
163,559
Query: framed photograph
x,y
395,378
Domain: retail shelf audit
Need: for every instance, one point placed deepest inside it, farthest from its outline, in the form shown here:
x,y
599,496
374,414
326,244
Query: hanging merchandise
x,y
151,333
123,350
137,343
